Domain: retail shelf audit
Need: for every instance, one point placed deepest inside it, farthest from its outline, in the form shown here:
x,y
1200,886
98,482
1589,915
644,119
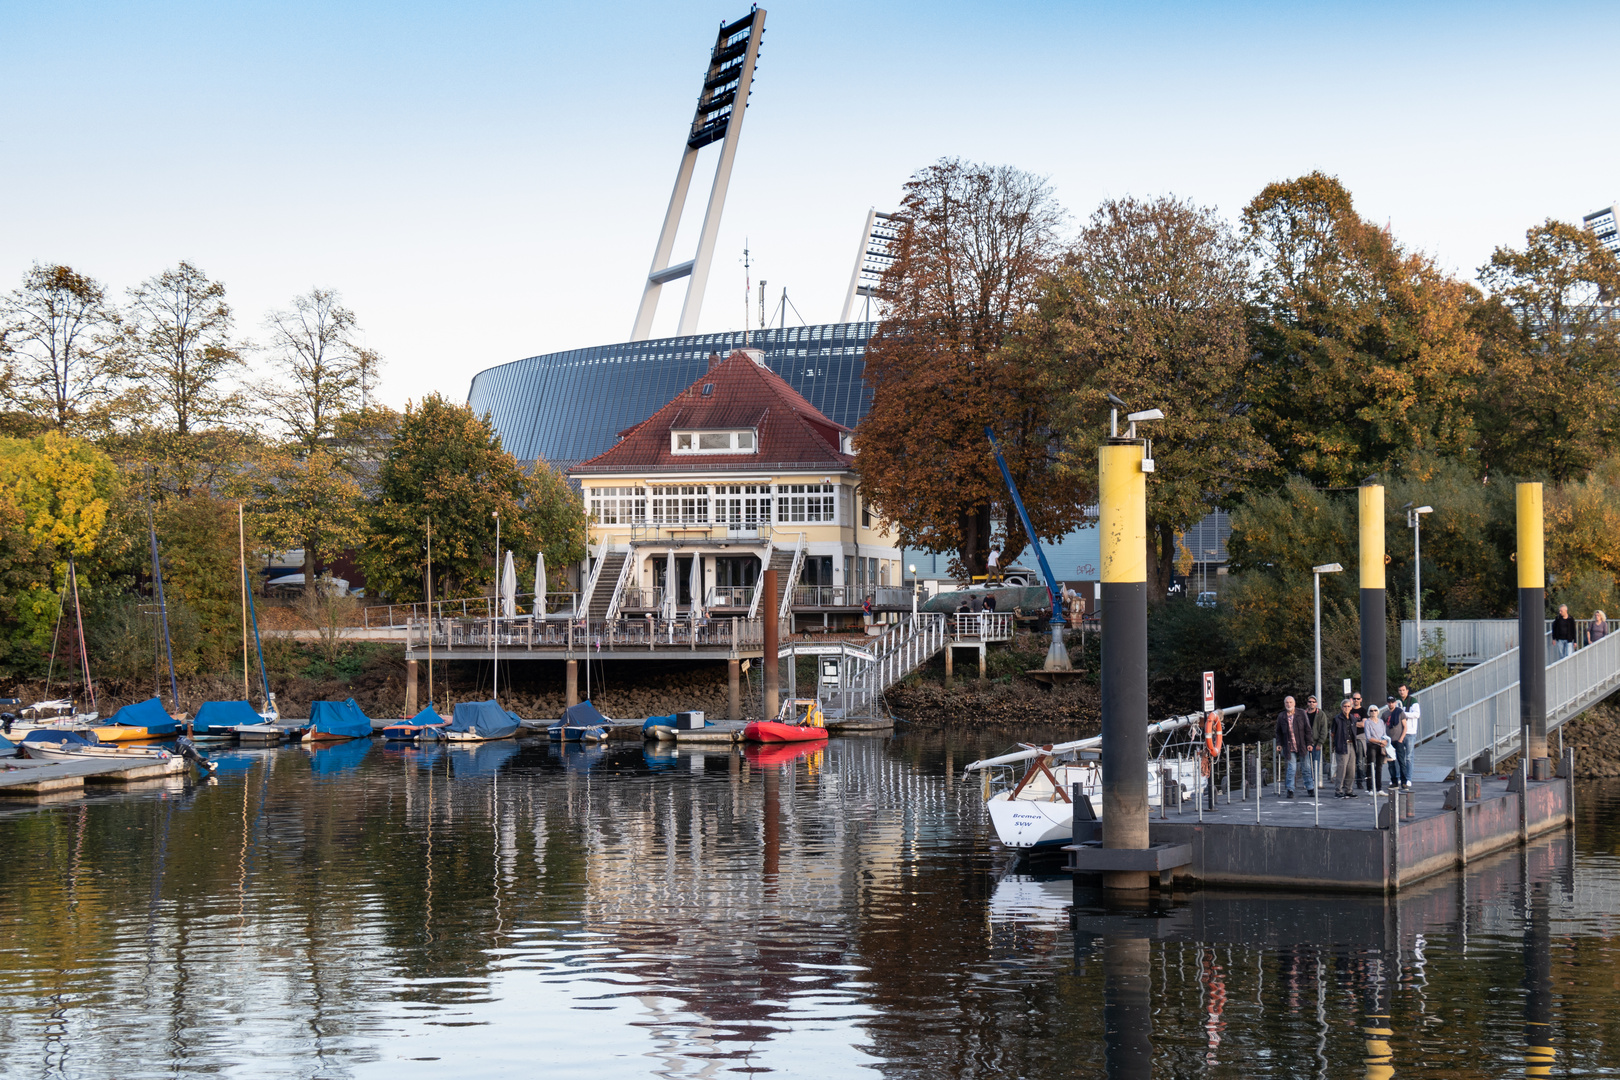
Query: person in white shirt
x,y
994,565
1414,712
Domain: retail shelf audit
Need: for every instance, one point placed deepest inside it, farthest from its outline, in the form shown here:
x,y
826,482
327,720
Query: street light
x,y
913,569
1414,521
1325,568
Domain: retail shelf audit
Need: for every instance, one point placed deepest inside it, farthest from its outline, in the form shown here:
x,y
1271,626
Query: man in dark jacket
x,y
1563,632
1321,730
1294,742
1344,752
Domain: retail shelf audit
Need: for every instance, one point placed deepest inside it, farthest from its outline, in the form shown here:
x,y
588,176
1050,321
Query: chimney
x,y
714,360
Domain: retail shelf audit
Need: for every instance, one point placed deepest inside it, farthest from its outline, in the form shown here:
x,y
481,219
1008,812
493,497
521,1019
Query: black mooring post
x,y
1122,531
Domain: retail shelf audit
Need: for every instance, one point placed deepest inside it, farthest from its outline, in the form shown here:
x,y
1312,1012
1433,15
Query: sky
x,y
485,181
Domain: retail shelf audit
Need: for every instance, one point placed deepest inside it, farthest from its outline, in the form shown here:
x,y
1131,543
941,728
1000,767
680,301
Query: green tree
x,y
974,242
322,372
1551,397
28,597
61,336
1149,305
65,488
446,464
1363,353
308,500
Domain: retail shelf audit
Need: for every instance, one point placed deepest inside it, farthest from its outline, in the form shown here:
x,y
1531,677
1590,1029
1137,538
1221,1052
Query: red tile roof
x,y
792,432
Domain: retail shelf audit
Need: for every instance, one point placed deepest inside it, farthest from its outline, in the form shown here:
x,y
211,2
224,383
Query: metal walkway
x,y
1472,718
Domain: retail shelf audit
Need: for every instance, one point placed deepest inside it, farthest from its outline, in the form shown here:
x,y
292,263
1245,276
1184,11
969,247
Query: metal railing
x,y
982,626
627,570
594,566
1474,641
825,596
906,646
677,533
792,583
451,635
560,605
730,596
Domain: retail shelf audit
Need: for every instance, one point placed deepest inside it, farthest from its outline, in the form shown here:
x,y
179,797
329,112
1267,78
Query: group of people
x,y
1564,630
1362,739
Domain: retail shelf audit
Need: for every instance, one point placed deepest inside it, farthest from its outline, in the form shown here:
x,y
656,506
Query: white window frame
x,y
807,504
625,505
734,438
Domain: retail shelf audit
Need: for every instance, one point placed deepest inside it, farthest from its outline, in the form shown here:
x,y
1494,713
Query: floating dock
x,y
28,779
1346,845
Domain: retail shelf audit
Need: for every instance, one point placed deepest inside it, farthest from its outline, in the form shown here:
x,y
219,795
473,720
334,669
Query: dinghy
x,y
84,746
800,720
581,723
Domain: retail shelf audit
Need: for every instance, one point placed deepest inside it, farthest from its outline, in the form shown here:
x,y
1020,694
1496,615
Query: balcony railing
x,y
523,634
701,531
558,605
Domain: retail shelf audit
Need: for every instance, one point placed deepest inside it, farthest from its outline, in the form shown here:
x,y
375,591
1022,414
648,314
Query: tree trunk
x,y
974,551
1161,561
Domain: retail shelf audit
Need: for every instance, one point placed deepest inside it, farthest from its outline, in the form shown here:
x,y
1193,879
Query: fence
x,y
646,633
1474,641
982,626
559,605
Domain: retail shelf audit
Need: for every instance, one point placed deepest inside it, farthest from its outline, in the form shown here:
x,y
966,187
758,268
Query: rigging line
x,y
56,636
84,653
794,306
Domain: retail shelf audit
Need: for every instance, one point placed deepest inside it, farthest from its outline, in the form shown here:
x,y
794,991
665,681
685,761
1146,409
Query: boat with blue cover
x,y
580,723
224,717
480,721
424,725
334,721
143,720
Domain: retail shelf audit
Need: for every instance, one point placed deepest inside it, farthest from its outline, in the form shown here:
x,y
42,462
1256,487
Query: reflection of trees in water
x,y
732,901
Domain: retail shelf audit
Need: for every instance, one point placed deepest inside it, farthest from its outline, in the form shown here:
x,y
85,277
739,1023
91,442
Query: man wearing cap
x,y
1321,730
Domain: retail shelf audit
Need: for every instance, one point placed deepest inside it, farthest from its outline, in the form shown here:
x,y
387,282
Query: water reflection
x,y
624,910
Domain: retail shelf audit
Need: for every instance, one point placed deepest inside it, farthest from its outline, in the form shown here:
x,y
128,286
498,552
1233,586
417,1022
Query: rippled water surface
x,y
524,910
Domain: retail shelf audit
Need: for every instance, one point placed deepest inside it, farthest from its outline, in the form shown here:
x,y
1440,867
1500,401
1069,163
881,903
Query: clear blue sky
x,y
485,181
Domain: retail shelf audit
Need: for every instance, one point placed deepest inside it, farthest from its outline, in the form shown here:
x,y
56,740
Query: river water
x,y
525,910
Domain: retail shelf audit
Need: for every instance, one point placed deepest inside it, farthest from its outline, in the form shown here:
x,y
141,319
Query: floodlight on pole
x,y
1317,572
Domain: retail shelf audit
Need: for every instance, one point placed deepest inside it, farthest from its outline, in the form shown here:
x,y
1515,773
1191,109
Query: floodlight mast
x,y
719,117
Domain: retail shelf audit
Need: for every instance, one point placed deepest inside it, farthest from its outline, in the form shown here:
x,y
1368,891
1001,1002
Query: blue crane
x,y
1057,657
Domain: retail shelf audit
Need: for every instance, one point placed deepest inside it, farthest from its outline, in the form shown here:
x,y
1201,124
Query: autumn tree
x,y
180,359
61,335
1550,404
1149,305
1363,353
307,500
321,369
446,465
974,241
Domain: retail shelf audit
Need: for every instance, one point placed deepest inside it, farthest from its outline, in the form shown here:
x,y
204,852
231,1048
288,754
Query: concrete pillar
x,y
772,705
734,687
949,652
410,688
1530,560
981,661
1122,533
1374,662
573,683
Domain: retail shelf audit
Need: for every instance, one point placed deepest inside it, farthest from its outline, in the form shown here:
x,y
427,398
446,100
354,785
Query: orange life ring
x,y
1213,736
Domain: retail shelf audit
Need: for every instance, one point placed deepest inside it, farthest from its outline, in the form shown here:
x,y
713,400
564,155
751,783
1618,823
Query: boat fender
x,y
1213,736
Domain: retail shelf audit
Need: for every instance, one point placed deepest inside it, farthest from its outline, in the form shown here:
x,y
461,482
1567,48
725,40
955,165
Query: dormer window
x,y
713,442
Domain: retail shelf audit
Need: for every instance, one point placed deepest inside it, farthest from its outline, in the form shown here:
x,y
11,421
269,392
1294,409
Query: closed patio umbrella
x,y
508,589
540,585
695,585
671,588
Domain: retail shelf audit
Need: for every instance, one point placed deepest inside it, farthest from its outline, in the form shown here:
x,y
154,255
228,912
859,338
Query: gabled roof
x,y
740,394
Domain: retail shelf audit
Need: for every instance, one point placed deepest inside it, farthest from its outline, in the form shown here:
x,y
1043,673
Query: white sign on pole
x,y
1209,691
1347,688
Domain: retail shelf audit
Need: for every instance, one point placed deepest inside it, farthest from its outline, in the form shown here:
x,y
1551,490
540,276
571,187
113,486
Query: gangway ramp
x,y
1471,720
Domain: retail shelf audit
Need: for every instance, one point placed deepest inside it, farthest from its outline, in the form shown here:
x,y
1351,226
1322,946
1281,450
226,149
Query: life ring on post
x,y
1213,736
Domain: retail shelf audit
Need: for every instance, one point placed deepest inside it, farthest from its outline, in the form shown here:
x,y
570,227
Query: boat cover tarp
x,y
217,716
7,747
483,718
582,715
658,721
72,738
429,715
339,718
339,757
149,714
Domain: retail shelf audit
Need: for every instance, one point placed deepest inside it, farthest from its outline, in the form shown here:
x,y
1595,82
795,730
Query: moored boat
x,y
580,723
335,721
1035,808
480,721
50,745
143,720
424,725
800,720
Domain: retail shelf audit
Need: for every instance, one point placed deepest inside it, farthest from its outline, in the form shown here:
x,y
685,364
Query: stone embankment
x,y
1595,735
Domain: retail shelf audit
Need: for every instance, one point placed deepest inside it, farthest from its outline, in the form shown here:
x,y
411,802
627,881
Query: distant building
x,y
1605,225
740,473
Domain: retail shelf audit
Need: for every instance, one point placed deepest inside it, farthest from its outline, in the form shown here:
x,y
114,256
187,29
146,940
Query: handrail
x,y
785,615
588,588
625,570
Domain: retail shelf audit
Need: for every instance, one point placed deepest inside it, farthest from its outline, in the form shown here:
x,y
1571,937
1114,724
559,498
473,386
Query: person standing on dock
x,y
1321,729
1344,752
1563,632
1414,713
1377,742
1359,711
1293,739
1395,723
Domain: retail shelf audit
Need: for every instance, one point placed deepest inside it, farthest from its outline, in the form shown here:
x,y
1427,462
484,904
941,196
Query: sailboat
x,y
1035,808
62,714
269,728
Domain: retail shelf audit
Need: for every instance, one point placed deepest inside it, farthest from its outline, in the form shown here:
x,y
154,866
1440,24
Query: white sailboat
x,y
1034,808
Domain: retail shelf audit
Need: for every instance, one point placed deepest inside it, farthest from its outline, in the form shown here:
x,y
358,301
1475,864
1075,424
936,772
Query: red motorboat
x,y
799,721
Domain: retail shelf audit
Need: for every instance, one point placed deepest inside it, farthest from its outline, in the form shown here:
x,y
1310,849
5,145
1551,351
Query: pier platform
x,y
1348,845
20,777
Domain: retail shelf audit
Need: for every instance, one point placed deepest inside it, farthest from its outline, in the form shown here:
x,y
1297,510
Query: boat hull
x,y
1040,818
769,731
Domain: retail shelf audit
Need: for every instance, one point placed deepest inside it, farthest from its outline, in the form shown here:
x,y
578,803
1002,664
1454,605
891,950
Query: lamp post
x,y
913,569
1414,521
1318,571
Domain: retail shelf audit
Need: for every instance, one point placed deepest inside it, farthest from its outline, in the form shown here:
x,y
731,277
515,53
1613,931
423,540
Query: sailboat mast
x,y
269,698
84,652
163,607
430,609
241,556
